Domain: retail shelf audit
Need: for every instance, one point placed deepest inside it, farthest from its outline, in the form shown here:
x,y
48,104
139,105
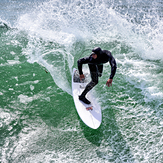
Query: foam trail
x,y
53,34
55,28
58,30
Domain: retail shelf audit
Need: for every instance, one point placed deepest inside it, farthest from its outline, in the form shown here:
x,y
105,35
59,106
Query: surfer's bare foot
x,y
83,99
89,108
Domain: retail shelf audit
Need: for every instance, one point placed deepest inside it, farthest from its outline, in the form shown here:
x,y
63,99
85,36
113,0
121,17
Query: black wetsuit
x,y
96,67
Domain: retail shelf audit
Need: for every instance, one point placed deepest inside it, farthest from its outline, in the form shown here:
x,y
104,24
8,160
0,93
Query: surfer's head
x,y
94,55
97,51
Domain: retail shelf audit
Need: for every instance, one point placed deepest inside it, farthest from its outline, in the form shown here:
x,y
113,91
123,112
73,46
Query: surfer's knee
x,y
95,82
94,78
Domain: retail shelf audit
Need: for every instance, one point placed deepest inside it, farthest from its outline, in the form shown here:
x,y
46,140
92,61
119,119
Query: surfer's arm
x,y
81,62
113,67
113,70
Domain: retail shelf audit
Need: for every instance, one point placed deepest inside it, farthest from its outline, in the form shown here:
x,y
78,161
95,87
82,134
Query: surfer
x,y
95,62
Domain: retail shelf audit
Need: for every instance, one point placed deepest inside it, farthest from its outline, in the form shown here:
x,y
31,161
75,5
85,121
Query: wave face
x,y
40,43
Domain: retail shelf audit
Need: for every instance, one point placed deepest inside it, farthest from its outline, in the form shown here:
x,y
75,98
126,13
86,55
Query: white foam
x,y
32,87
56,32
91,23
12,62
13,53
30,82
139,72
25,99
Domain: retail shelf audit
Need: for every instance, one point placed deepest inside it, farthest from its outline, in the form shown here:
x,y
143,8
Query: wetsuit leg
x,y
100,70
94,75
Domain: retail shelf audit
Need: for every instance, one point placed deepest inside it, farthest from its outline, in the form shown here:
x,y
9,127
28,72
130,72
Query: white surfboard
x,y
90,114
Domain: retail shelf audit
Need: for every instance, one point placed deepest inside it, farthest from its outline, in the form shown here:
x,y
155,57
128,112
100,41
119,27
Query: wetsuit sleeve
x,y
113,67
81,62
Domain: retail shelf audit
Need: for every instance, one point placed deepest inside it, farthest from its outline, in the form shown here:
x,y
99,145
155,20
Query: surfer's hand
x,y
109,82
82,77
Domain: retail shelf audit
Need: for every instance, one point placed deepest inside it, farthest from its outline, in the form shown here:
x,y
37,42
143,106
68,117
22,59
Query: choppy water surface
x,y
38,119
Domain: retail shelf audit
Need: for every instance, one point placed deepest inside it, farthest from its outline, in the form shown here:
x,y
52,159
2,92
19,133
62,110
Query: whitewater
x,y
40,43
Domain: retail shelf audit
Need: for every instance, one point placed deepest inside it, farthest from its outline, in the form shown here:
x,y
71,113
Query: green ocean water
x,y
40,43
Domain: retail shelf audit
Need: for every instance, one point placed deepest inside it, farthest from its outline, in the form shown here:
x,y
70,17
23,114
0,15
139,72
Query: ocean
x,y
40,43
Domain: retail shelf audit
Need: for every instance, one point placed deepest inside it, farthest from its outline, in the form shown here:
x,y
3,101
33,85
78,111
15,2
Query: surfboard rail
x,y
91,117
